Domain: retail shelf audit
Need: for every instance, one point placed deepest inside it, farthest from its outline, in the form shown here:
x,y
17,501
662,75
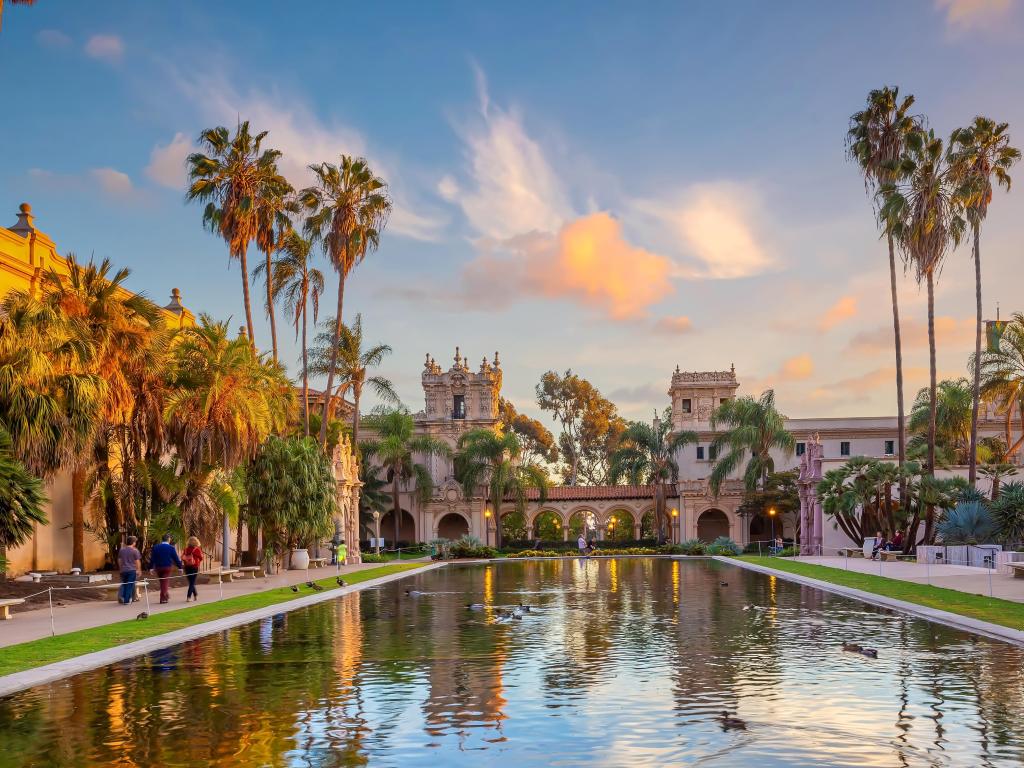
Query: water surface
x,y
629,661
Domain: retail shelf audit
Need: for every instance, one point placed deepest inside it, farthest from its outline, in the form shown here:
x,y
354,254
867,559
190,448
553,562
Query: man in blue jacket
x,y
164,559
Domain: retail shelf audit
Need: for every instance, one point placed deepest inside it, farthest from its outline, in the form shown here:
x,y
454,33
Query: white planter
x,y
299,560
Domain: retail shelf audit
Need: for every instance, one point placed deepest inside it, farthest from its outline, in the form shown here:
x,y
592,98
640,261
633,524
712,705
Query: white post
x,y
226,547
145,589
49,595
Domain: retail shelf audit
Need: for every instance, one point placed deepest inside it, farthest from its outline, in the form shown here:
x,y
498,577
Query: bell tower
x,y
696,394
461,395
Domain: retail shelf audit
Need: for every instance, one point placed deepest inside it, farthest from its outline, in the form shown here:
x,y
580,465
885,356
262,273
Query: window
x,y
844,448
890,447
801,449
724,400
700,453
687,406
459,407
712,453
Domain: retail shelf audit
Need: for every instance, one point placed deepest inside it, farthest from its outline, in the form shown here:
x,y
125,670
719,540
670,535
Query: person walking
x,y
192,557
128,560
581,543
164,558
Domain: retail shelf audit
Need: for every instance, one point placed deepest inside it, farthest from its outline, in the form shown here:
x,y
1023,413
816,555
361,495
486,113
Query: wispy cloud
x,y
673,325
52,38
113,182
844,309
167,162
109,181
949,331
109,48
962,15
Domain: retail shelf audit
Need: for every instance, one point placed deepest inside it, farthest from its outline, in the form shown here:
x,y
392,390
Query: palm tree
x,y
226,401
396,449
753,427
273,205
348,209
952,420
230,178
977,154
919,208
120,328
301,285
1002,377
647,455
491,458
876,141
21,501
352,367
12,2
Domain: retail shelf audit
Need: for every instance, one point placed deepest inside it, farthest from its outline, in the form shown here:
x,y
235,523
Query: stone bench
x,y
5,606
317,562
252,571
895,556
224,574
1017,568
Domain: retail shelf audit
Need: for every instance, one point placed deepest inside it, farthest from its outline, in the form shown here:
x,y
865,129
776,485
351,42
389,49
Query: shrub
x,y
788,552
723,545
373,557
693,547
471,548
967,523
1008,513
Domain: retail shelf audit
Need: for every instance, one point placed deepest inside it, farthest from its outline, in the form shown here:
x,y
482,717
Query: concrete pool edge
x,y
954,620
49,673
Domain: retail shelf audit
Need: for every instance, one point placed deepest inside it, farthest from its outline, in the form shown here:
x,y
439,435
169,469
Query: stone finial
x,y
677,369
458,358
497,362
732,367
175,306
426,363
483,366
24,225
241,332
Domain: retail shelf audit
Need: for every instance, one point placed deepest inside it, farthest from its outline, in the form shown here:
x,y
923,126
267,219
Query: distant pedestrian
x,y
192,558
581,542
164,558
128,559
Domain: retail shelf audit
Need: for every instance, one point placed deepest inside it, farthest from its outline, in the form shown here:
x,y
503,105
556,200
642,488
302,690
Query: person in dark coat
x,y
164,560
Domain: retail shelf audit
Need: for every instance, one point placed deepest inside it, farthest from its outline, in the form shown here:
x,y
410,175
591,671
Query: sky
x,y
580,185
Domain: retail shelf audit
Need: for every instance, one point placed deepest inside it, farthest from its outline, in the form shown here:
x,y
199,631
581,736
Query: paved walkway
x,y
964,578
31,625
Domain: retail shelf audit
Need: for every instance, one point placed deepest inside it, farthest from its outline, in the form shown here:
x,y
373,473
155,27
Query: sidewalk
x,y
32,625
963,578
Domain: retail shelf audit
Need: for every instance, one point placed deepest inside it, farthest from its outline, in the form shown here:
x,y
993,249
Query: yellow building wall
x,y
26,254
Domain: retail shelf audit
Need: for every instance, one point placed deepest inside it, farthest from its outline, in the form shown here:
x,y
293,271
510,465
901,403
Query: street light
x,y
376,526
487,527
675,521
771,515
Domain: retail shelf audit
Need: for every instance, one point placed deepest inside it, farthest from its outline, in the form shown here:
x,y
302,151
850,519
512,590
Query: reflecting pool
x,y
619,662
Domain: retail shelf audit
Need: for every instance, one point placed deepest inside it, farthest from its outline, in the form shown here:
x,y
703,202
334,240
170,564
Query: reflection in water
x,y
621,661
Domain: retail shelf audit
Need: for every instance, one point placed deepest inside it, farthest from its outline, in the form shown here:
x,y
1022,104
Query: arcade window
x,y
687,406
459,407
890,447
700,453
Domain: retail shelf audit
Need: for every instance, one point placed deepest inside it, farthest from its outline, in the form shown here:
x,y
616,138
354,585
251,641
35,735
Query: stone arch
x,y
547,525
576,517
620,524
452,525
712,523
647,522
406,529
515,525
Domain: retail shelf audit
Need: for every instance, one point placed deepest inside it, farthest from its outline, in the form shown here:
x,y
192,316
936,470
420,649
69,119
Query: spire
x,y
458,358
497,362
175,306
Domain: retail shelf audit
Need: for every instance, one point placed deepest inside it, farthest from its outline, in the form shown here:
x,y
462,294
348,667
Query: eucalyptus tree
x,y
491,458
647,455
353,363
979,153
301,285
750,430
230,174
347,211
397,449
1002,377
919,207
876,140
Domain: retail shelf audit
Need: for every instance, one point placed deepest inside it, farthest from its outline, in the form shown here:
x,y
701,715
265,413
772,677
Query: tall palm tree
x,y
1002,377
120,327
273,205
490,458
752,428
348,209
397,448
978,153
301,285
919,208
226,401
952,420
229,176
876,141
352,366
647,455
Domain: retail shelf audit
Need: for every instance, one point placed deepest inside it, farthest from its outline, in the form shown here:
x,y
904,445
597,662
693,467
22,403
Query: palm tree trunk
x,y
357,394
901,426
334,360
78,519
972,474
931,375
305,371
270,306
245,297
496,506
396,508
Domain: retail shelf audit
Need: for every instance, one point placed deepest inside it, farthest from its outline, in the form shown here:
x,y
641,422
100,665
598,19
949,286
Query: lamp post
x,y
771,515
376,526
675,523
487,527
611,528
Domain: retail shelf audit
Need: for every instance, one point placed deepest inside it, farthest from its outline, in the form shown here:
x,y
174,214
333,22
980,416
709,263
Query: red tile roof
x,y
597,492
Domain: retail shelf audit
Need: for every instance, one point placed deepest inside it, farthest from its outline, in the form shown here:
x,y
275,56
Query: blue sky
x,y
576,184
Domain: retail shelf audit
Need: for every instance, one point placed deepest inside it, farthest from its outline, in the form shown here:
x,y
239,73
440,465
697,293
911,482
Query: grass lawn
x,y
1006,613
36,653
